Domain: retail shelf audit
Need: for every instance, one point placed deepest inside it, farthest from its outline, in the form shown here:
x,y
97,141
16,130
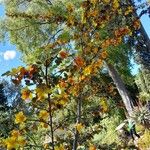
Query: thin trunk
x,y
127,100
143,51
51,122
142,45
50,109
76,138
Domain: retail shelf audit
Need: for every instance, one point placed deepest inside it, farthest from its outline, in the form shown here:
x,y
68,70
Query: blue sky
x,y
145,21
10,58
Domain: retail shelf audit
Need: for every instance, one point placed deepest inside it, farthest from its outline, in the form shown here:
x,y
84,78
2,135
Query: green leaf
x,y
6,73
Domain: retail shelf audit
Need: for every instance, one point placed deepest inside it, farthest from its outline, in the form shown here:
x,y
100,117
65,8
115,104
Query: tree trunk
x,y
143,52
79,106
142,30
127,100
145,36
143,42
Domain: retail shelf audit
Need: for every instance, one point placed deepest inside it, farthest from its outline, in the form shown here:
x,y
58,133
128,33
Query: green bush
x,y
144,141
108,135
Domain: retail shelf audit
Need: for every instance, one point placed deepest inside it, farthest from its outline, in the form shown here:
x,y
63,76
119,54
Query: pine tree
x,y
3,98
141,43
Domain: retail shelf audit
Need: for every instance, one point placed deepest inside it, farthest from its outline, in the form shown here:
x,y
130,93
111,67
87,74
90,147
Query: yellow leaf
x,y
129,10
82,77
21,141
45,146
20,118
15,71
70,7
95,50
104,105
92,147
61,147
44,125
79,127
22,126
98,64
15,133
94,23
94,1
42,92
116,4
106,1
63,101
43,114
11,143
71,20
87,70
83,19
94,13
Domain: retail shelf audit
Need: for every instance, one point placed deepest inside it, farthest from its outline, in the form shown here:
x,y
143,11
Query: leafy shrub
x,y
144,141
143,96
142,115
108,135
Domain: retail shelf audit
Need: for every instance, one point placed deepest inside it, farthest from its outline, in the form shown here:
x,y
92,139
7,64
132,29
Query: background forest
x,y
76,90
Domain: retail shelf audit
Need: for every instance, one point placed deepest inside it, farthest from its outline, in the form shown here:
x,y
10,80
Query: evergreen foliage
x,y
3,98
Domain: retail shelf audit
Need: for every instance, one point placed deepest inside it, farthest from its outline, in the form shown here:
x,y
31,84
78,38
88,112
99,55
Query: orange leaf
x,y
32,69
136,24
104,54
63,84
92,147
79,61
26,94
71,81
63,54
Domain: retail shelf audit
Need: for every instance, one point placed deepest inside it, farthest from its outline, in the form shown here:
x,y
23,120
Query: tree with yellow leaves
x,y
70,43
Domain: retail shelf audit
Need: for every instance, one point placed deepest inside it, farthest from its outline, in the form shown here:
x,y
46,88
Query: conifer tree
x,y
3,99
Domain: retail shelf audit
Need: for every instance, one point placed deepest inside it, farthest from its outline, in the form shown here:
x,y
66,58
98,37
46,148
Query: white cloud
x,y
11,54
